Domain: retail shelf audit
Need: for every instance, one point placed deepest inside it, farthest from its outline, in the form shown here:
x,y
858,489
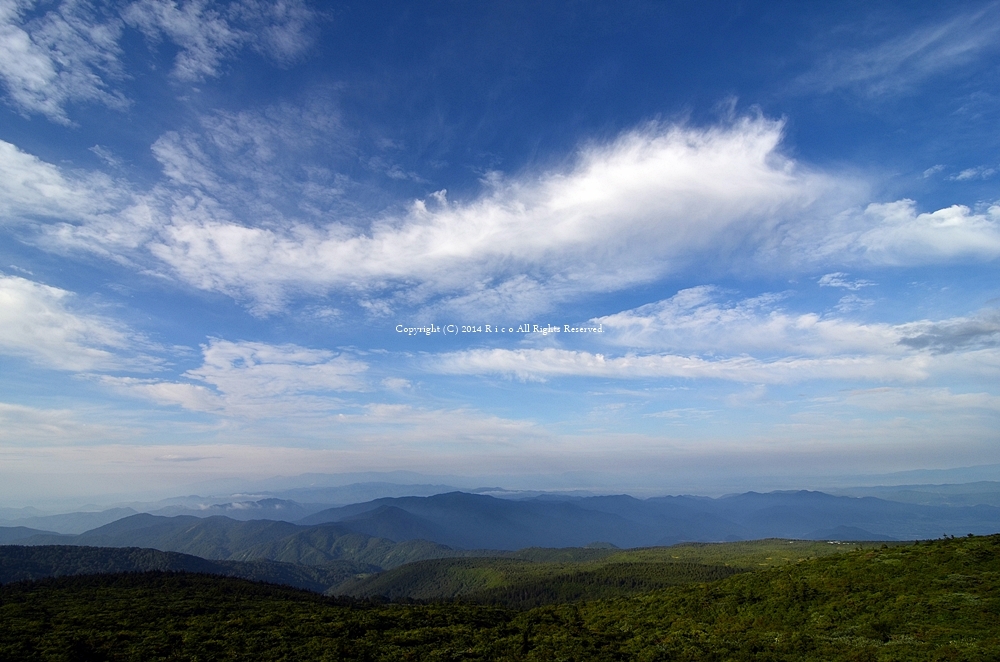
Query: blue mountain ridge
x,y
394,530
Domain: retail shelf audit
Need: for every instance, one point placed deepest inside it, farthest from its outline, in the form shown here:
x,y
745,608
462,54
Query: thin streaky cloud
x,y
543,364
702,320
202,32
654,194
839,279
68,55
72,53
901,63
37,322
208,34
254,379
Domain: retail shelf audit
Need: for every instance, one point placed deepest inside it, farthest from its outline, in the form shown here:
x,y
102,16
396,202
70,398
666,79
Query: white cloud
x,y
204,36
253,370
655,201
839,279
257,162
896,399
209,33
106,155
695,320
71,53
61,209
252,379
933,170
66,55
979,172
648,203
283,29
902,236
853,302
978,331
33,189
540,364
900,63
193,397
32,425
37,322
380,422
694,336
396,383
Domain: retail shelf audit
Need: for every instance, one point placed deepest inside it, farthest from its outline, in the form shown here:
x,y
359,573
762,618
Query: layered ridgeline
x,y
927,601
474,521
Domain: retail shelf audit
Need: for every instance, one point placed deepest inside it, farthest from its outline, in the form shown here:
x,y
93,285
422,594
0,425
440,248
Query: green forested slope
x,y
931,600
320,545
536,576
522,584
18,563
938,600
749,554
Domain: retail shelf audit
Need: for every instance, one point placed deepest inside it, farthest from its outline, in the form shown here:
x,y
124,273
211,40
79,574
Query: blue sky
x,y
783,220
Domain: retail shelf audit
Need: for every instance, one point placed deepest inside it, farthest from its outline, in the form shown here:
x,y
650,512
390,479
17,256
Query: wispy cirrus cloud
x,y
31,189
261,165
694,335
36,426
64,210
663,199
839,279
978,172
69,54
38,322
209,33
900,63
254,380
939,400
58,54
660,195
701,320
541,364
202,33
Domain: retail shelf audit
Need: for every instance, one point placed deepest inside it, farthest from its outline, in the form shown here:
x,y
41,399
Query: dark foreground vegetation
x,y
936,600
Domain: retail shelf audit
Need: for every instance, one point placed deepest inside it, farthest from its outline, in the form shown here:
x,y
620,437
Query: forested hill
x,y
936,600
19,563
221,538
520,579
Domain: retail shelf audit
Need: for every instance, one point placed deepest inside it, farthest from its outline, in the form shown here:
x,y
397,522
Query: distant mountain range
x,y
388,532
473,521
985,492
72,522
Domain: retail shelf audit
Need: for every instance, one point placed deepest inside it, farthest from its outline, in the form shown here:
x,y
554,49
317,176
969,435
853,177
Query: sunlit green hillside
x,y
533,577
927,601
